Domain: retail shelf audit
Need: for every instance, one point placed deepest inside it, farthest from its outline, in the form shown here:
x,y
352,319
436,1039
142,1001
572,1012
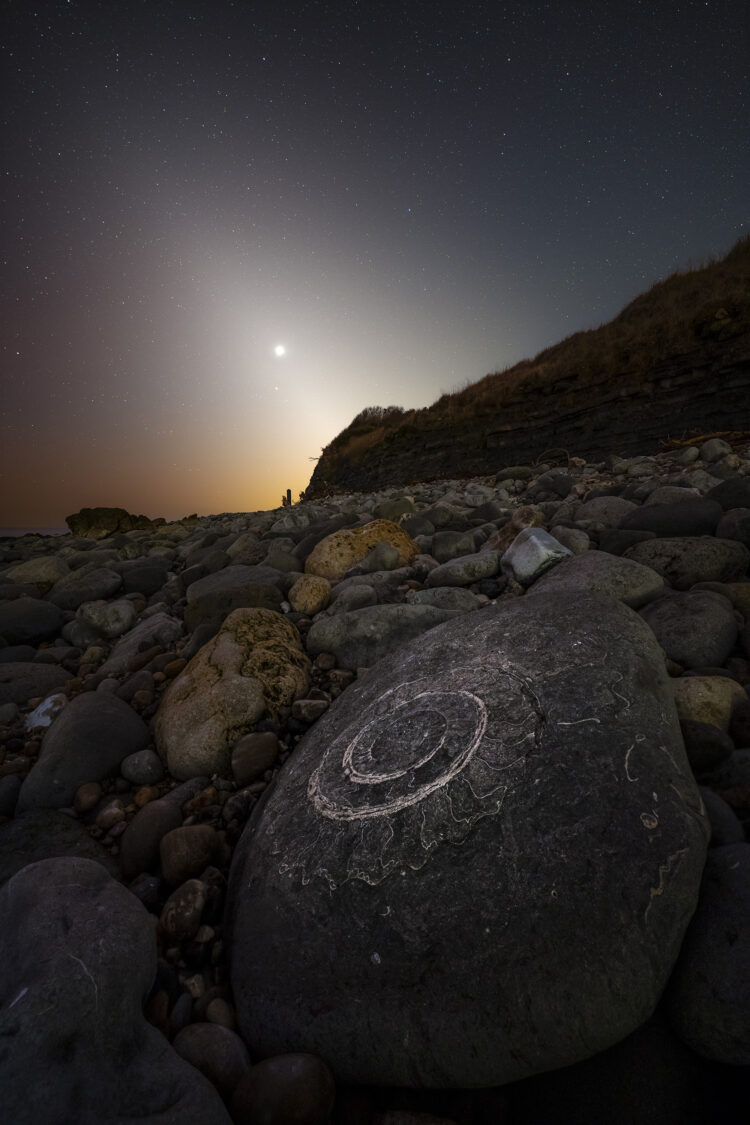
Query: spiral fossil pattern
x,y
421,766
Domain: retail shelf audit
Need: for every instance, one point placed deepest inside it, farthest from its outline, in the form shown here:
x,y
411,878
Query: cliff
x,y
676,360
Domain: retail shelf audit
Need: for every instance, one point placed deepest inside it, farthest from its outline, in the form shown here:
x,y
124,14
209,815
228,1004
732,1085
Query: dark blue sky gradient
x,y
405,195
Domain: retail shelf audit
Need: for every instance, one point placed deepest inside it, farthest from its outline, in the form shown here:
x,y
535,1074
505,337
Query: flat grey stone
x,y
29,620
699,558
364,636
597,572
160,629
465,570
438,837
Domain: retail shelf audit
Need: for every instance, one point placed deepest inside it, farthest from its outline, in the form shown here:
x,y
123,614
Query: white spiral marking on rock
x,y
359,784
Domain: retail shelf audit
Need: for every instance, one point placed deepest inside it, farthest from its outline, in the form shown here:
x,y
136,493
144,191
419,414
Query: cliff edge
x,y
675,361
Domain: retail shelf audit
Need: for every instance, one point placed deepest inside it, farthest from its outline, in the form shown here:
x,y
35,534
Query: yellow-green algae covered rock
x,y
340,551
254,665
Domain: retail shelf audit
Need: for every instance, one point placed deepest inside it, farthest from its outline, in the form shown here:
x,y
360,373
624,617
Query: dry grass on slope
x,y
701,309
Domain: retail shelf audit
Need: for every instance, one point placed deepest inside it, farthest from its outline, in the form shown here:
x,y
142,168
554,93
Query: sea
x,y
17,532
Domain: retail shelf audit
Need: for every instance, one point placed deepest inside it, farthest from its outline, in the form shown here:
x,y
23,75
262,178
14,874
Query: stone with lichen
x,y
340,551
252,667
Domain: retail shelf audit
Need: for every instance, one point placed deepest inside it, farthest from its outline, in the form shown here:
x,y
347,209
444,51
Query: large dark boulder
x,y
77,960
98,523
480,863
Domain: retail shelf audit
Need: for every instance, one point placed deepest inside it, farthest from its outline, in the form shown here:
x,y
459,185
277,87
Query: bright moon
x,y
279,350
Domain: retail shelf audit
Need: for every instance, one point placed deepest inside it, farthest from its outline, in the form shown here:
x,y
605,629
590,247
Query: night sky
x,y
403,196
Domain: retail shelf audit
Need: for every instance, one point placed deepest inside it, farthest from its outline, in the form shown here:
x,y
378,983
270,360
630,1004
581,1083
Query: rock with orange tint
x,y
339,552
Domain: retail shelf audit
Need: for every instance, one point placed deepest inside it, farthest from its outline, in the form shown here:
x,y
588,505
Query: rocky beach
x,y
419,806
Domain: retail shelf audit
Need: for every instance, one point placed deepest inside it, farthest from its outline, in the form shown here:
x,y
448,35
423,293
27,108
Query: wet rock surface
x,y
692,583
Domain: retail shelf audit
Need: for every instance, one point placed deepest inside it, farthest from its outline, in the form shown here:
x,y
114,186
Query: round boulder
x,y
709,994
339,552
254,664
87,742
438,837
77,960
697,629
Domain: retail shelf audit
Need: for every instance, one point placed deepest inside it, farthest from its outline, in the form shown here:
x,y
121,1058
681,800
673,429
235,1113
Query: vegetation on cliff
x,y
701,313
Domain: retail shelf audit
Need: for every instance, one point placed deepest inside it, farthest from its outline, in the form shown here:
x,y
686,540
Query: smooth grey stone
x,y
697,629
533,552
706,746
29,621
87,742
616,542
466,570
597,572
142,768
22,681
108,619
555,480
393,509
605,511
10,787
45,834
362,637
714,449
159,629
732,493
383,556
211,599
693,516
8,713
650,1078
418,525
573,538
351,598
443,515
438,836
85,585
670,494
78,959
448,545
139,843
698,558
445,597
142,576
17,654
735,524
709,994
732,773
726,827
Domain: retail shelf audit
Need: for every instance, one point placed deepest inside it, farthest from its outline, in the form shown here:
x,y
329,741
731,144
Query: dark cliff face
x,y
675,362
